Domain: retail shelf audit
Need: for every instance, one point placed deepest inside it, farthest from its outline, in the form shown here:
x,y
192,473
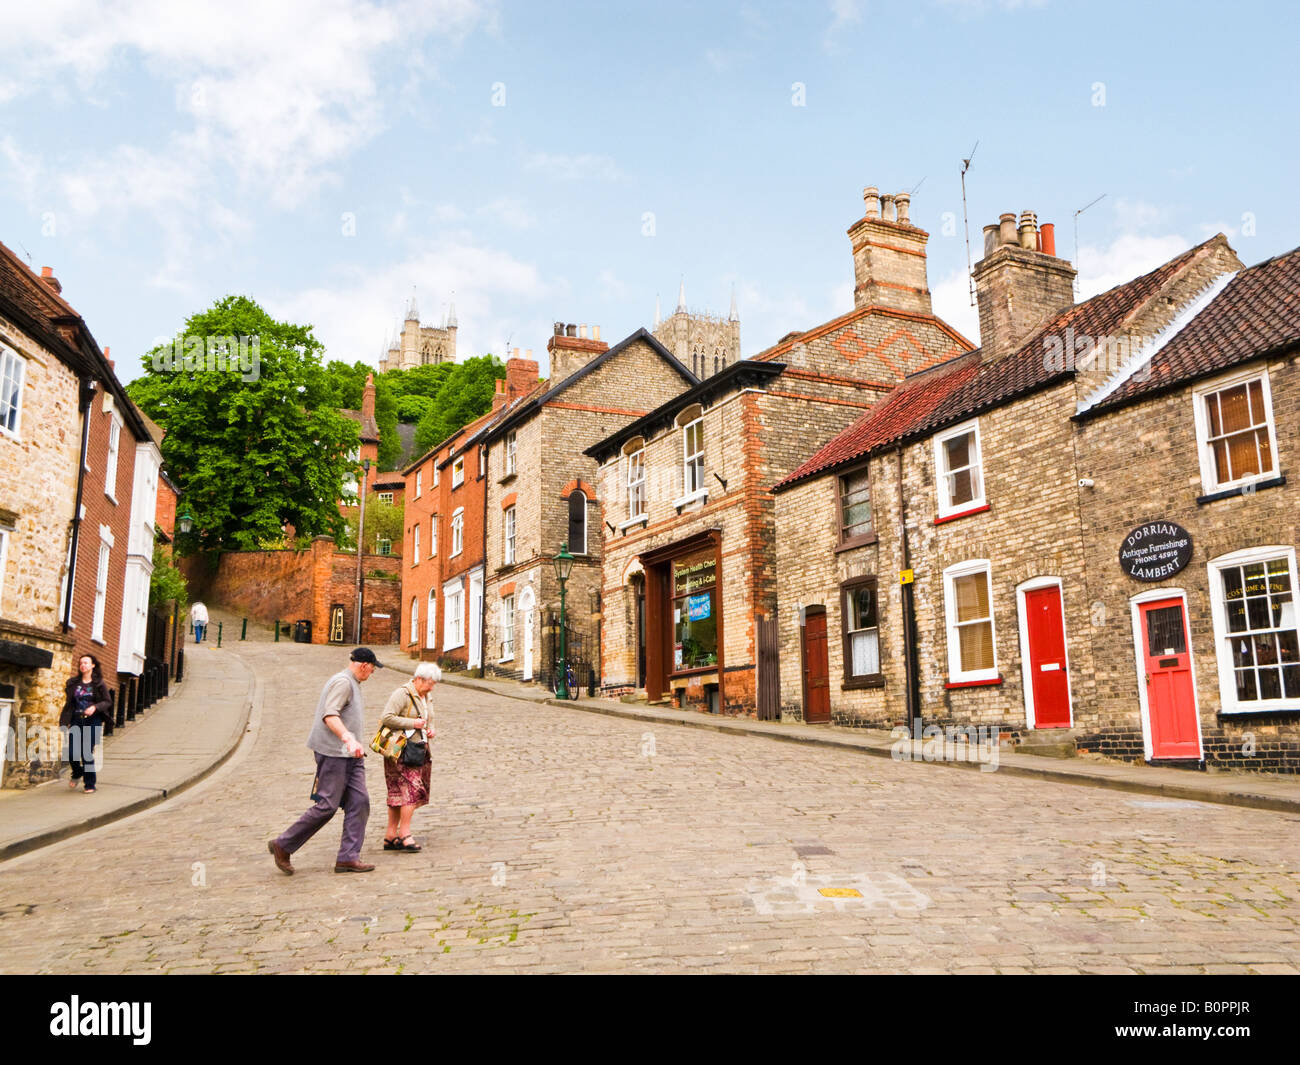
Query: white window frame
x,y
433,536
431,622
508,628
948,509
415,620
457,532
509,529
385,497
458,472
512,458
435,473
114,447
13,368
482,461
453,615
957,675
415,554
101,583
689,459
1209,478
634,464
419,483
1228,701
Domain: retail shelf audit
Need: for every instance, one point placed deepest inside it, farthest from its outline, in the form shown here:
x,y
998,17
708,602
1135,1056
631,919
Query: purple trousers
x,y
339,782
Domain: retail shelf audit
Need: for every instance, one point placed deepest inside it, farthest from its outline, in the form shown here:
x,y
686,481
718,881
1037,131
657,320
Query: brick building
x,y
443,575
541,492
690,579
49,362
1017,474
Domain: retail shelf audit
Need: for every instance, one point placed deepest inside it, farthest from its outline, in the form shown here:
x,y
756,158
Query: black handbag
x,y
414,754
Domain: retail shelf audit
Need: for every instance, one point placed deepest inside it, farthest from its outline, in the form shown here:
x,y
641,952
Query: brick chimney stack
x,y
889,254
570,349
521,375
368,399
499,395
1019,283
47,275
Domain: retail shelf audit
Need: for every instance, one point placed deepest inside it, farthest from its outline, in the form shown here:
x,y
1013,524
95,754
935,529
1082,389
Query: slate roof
x,y
963,387
1256,314
368,426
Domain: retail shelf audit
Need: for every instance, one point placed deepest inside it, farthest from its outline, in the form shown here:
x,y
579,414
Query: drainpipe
x,y
86,398
910,659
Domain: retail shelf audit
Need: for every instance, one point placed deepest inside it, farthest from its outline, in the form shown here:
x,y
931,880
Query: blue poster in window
x,y
699,607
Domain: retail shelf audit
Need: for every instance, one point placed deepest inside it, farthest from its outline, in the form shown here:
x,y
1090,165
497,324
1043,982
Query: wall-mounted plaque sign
x,y
1155,551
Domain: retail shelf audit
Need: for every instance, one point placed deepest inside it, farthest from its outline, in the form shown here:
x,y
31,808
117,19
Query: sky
x,y
573,162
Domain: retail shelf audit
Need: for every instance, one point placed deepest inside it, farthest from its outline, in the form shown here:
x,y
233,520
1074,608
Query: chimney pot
x,y
1029,230
582,331
47,271
1048,233
871,195
595,332
1007,228
559,329
990,239
904,202
571,330
887,212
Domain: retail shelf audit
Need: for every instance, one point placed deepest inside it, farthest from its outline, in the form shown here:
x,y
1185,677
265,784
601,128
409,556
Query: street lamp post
x,y
361,544
563,567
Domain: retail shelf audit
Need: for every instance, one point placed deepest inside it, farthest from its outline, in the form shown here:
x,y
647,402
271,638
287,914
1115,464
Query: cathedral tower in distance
x,y
704,342
421,345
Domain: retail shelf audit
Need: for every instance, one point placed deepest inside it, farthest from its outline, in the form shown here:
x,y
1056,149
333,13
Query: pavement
x,y
558,839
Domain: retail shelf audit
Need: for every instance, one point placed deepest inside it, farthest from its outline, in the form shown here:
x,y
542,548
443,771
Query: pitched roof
x,y
368,426
1256,313
541,396
962,387
803,336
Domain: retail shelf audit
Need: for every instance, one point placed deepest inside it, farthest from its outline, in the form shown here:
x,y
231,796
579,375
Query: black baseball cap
x,y
365,654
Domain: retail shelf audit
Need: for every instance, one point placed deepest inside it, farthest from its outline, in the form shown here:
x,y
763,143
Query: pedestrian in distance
x,y
409,712
199,619
85,714
340,769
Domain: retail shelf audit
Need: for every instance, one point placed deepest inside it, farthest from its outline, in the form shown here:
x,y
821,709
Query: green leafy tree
x,y
465,395
251,451
420,380
347,385
411,409
383,522
167,582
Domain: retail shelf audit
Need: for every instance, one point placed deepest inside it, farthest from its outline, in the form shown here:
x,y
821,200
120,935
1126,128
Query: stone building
x,y
1022,476
421,345
48,365
706,343
690,579
541,492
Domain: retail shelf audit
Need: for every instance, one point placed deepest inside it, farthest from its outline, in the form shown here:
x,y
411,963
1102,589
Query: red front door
x,y
1171,691
1049,679
816,673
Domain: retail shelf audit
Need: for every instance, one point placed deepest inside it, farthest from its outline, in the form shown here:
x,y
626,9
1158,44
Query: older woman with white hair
x,y
409,710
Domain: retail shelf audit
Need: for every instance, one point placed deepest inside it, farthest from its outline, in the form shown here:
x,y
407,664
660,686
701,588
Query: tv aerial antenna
x,y
965,219
1076,238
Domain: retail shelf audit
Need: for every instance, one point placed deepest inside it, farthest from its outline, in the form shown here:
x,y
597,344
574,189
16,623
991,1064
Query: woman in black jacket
x,y
85,711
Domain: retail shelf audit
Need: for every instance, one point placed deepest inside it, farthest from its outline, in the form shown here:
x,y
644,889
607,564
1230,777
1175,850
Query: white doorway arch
x,y
527,602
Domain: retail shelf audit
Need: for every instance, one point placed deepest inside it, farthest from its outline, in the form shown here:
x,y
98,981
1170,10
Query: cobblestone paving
x,y
560,840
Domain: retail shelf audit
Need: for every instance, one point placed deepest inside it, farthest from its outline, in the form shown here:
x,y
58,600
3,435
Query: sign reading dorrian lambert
x,y
1156,550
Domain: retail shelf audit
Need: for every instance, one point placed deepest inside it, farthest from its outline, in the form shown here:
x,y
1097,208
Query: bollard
x,y
219,624
243,633
277,630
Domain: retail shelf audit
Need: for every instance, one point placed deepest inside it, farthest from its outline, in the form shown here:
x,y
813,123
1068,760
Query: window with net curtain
x,y
861,630
970,624
1238,432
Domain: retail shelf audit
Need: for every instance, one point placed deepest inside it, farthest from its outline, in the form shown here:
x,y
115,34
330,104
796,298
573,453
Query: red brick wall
x,y
101,510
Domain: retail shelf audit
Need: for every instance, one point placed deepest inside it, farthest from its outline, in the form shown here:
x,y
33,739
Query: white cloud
x,y
844,13
950,298
573,167
1128,256
354,316
1136,214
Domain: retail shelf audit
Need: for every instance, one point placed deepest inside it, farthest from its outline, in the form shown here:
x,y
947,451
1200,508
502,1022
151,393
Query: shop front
x,y
683,623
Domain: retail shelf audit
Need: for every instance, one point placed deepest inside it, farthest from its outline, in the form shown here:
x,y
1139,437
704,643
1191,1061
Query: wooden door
x,y
769,668
1170,687
1050,685
816,673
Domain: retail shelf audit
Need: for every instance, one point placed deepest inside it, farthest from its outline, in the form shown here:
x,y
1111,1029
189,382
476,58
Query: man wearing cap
x,y
340,769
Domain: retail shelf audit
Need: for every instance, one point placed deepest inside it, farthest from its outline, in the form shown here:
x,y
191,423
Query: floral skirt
x,y
407,786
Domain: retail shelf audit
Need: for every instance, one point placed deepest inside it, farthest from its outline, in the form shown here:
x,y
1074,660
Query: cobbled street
x,y
560,840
